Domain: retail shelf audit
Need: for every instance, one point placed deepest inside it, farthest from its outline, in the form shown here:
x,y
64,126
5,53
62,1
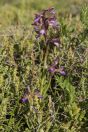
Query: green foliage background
x,y
64,107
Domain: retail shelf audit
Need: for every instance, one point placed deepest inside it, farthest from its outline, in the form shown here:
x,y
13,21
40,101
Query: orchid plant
x,y
45,26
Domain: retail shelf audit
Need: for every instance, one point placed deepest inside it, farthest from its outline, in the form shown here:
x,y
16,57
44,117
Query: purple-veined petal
x,y
42,31
61,71
37,18
53,22
52,69
56,44
55,41
37,93
24,100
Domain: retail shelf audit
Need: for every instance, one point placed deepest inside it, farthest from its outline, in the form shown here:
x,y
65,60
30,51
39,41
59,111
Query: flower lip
x,y
55,41
37,93
37,19
52,69
61,71
53,22
24,100
42,31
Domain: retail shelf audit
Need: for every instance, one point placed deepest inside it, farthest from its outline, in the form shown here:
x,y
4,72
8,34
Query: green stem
x,y
46,57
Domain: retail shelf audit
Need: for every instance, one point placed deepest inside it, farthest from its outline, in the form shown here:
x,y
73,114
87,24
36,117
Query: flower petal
x,y
24,100
52,69
55,41
42,32
61,71
37,93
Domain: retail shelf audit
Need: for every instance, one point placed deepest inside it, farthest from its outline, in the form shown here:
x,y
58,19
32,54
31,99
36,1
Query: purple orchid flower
x,y
24,99
52,68
38,94
27,93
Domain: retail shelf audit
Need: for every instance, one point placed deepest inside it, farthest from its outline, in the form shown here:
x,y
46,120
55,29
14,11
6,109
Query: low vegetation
x,y
44,66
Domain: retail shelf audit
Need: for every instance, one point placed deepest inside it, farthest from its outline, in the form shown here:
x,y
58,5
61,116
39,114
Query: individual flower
x,y
31,95
24,98
37,93
54,41
54,69
53,23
